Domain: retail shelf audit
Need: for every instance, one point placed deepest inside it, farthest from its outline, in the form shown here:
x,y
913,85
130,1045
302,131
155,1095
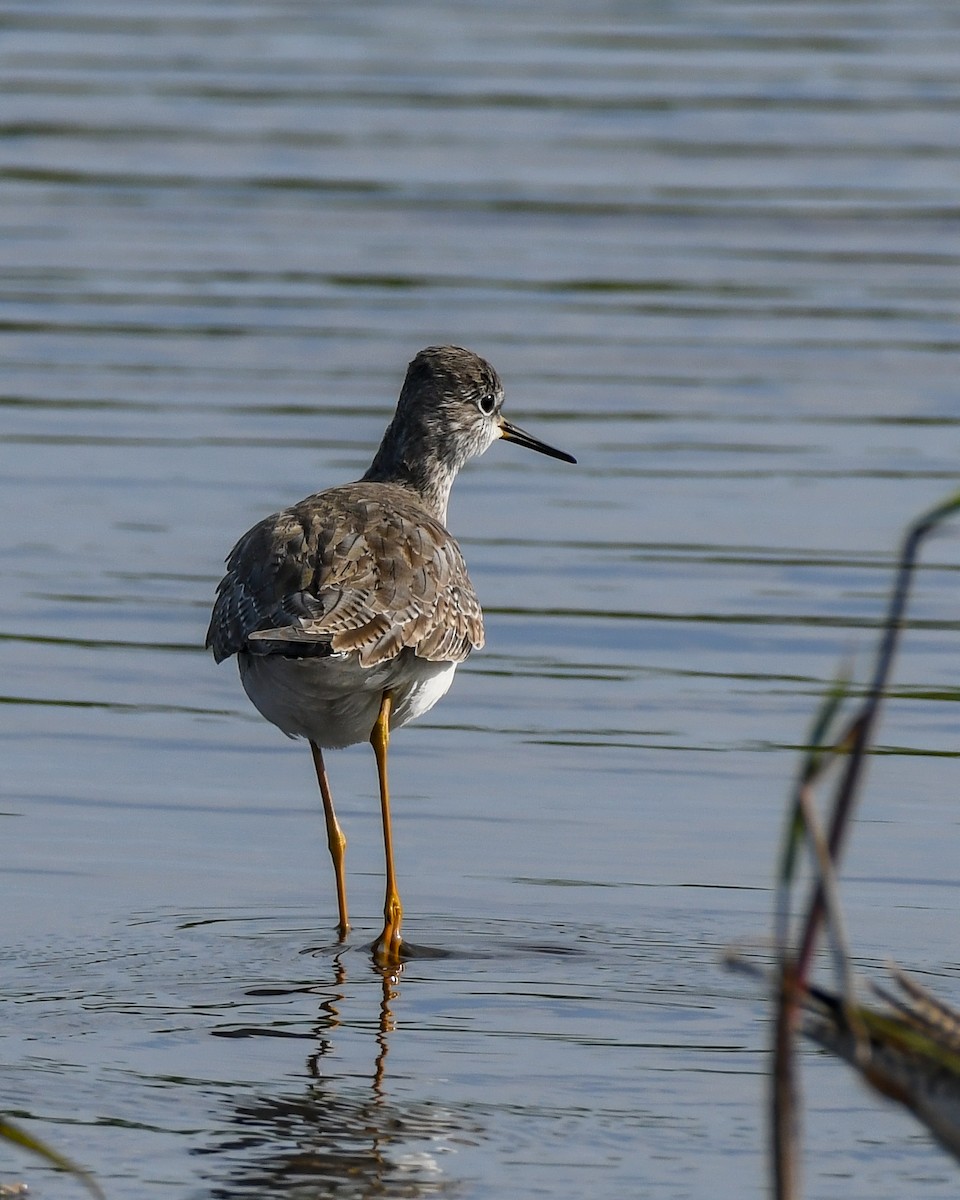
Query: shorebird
x,y
350,611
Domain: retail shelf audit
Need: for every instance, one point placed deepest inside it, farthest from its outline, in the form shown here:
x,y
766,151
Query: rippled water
x,y
711,249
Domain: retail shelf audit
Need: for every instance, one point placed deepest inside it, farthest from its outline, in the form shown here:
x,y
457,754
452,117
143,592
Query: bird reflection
x,y
337,1132
387,1025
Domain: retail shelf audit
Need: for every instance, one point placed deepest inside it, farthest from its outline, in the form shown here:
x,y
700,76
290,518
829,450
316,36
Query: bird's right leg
x,y
336,839
389,945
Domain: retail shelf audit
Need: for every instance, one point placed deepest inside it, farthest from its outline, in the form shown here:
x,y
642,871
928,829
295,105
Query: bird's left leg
x,y
336,840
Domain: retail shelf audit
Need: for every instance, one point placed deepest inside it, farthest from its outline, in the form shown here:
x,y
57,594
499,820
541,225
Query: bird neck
x,y
426,472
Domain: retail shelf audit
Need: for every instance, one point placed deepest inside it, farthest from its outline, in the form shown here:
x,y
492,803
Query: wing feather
x,y
342,572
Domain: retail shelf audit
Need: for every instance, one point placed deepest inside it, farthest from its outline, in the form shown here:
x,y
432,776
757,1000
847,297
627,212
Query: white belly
x,y
334,701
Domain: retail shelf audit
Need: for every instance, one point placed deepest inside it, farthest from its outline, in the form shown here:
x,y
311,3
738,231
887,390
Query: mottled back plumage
x,y
354,568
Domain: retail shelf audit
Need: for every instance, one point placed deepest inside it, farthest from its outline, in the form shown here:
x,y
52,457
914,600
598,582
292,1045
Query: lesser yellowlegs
x,y
349,612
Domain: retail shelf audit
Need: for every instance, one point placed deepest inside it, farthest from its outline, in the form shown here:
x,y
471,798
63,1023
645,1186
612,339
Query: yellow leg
x,y
336,839
386,950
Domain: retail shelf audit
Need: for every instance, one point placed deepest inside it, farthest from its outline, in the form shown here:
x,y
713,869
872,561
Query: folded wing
x,y
341,572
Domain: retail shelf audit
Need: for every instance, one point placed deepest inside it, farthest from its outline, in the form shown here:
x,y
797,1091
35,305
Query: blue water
x,y
710,249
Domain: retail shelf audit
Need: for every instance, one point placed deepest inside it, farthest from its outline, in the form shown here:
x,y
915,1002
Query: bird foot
x,y
388,949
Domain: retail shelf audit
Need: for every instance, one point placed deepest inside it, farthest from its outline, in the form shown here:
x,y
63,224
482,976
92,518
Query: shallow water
x,y
711,253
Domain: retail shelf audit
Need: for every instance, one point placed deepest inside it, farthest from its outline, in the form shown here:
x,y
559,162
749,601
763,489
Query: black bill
x,y
510,433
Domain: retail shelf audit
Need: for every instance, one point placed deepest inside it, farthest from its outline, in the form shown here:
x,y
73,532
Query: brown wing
x,y
347,571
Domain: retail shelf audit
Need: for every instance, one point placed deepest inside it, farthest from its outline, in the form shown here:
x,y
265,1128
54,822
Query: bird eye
x,y
487,405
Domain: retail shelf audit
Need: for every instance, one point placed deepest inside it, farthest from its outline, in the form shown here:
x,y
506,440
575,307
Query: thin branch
x,y
848,786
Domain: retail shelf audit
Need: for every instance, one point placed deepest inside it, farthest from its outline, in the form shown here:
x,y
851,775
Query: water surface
x,y
710,250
